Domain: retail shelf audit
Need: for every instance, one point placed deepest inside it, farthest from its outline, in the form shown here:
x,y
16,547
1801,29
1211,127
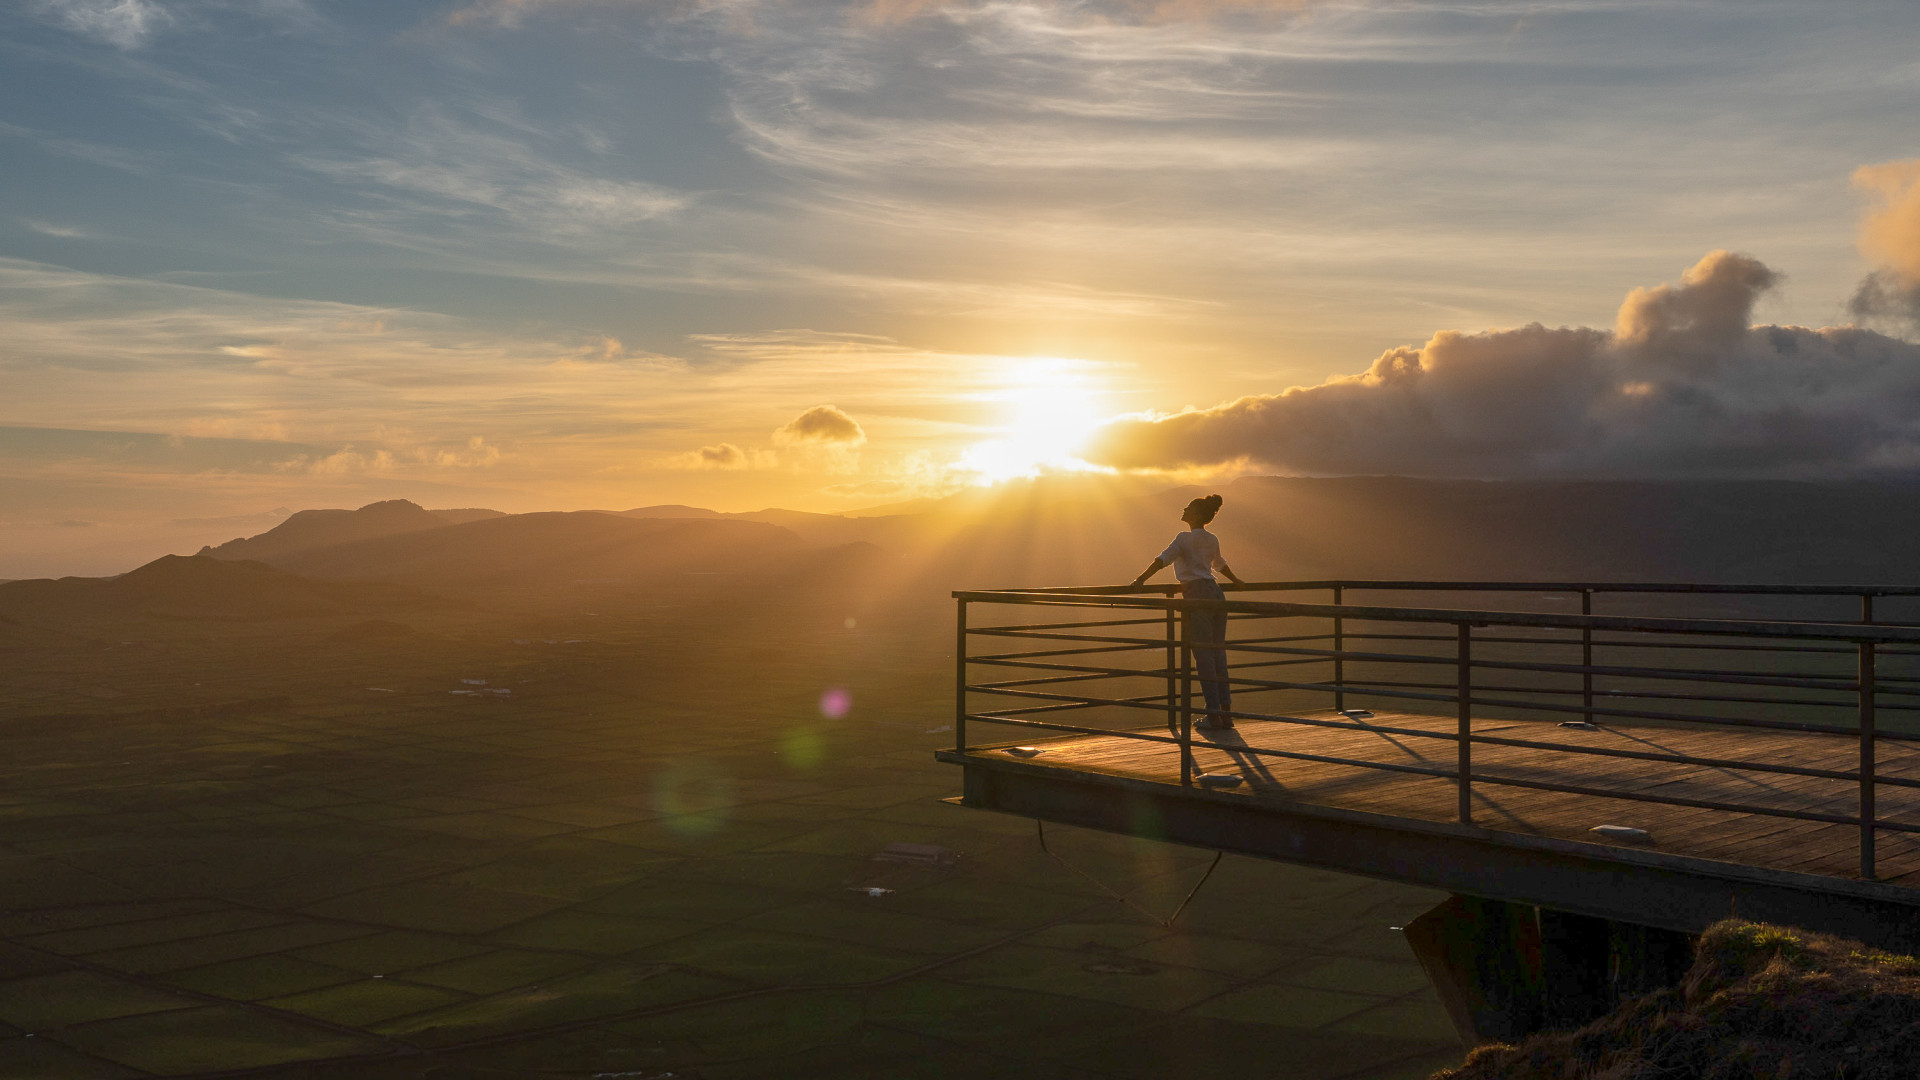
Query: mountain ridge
x,y
1052,532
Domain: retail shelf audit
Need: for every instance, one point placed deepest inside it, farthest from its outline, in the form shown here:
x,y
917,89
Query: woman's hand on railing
x,y
1155,567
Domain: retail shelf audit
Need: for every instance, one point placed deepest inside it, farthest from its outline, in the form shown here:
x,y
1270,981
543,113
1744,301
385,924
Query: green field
x,y
290,846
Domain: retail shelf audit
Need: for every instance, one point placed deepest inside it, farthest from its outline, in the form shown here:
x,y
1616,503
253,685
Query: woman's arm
x,y
1155,568
1220,564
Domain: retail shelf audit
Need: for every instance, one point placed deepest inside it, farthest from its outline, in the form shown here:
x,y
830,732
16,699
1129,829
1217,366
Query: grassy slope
x,y
1760,1002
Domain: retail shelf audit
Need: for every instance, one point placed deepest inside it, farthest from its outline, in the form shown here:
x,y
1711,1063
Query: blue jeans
x,y
1207,635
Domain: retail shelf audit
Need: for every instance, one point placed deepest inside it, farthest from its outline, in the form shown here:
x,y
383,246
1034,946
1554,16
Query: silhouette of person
x,y
1194,556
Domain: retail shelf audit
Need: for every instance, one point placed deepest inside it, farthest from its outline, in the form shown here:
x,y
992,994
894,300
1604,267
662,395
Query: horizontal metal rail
x,y
1619,643
1394,585
1802,681
1579,710
1796,681
1814,631
1650,695
1594,711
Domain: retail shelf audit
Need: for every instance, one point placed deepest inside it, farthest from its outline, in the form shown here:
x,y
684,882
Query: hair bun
x,y
1214,501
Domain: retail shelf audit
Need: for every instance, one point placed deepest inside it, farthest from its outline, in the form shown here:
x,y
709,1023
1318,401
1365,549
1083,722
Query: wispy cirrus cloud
x,y
453,167
131,24
63,232
513,13
124,23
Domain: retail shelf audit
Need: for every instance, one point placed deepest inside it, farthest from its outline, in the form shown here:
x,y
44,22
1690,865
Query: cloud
x,y
39,448
721,456
1890,235
1682,386
511,13
64,232
822,425
477,453
125,23
444,164
341,463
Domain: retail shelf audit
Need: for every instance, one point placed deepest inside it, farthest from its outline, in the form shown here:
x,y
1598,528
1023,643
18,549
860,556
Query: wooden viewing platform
x,y
1785,845
1525,844
1767,787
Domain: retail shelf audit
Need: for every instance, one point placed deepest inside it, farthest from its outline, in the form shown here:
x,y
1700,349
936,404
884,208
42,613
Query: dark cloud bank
x,y
1682,386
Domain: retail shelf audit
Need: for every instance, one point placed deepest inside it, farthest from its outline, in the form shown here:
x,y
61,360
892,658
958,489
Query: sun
x,y
1048,408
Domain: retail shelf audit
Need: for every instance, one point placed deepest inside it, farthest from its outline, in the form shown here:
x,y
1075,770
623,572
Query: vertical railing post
x,y
1867,690
1586,657
1866,607
1339,662
1186,698
1173,672
960,680
1465,735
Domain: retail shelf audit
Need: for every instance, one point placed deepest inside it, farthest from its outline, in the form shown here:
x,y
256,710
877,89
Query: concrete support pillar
x,y
1504,970
1483,957
1575,968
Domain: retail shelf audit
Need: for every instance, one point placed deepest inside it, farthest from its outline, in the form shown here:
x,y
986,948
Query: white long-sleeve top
x,y
1194,555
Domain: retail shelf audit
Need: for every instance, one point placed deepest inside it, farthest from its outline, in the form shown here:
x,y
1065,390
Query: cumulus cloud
x,y
721,456
477,453
822,425
1890,235
343,462
1682,386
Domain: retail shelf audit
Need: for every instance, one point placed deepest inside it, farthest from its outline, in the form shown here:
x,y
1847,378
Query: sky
x,y
552,254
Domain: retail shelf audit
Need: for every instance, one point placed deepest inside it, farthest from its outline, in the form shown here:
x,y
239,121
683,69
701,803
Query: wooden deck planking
x,y
1747,838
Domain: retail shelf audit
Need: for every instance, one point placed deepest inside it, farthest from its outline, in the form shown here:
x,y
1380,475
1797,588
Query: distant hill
x,y
669,510
810,527
557,548
462,516
1058,531
195,586
323,528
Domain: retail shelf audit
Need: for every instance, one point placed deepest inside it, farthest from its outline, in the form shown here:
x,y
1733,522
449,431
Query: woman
x,y
1194,556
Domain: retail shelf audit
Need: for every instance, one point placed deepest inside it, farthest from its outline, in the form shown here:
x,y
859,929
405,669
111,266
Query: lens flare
x,y
802,749
691,799
835,703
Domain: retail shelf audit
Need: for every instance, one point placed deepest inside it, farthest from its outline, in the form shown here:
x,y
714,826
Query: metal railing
x,y
1809,673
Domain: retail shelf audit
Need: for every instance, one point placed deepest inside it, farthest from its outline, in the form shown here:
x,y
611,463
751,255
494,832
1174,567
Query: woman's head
x,y
1201,511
